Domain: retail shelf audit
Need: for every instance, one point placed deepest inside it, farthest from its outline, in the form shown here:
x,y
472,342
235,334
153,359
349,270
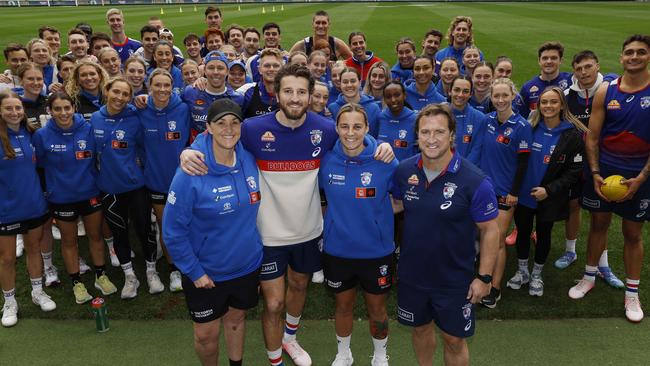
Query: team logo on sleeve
x,y
645,102
268,137
413,180
613,105
171,125
316,136
449,190
366,178
251,183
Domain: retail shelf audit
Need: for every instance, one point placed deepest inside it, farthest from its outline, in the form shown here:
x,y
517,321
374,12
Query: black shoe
x,y
490,301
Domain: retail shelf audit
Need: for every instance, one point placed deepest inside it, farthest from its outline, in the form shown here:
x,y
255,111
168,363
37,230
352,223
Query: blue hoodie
x,y
177,78
21,195
359,217
470,130
399,132
418,101
68,158
368,104
119,141
209,222
401,74
544,141
165,133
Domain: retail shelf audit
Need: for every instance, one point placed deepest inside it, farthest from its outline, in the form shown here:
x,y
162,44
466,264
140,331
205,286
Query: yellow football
x,y
613,189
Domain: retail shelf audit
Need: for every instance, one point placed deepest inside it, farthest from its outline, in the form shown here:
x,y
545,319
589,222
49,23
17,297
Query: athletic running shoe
x,y
379,361
56,233
345,359
81,229
115,262
536,287
299,356
565,260
155,285
490,301
51,276
43,300
318,277
9,314
633,310
83,267
20,245
104,284
130,289
81,295
512,238
606,274
580,289
175,283
519,279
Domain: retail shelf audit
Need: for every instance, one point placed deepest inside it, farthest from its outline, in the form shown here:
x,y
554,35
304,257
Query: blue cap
x,y
215,56
236,63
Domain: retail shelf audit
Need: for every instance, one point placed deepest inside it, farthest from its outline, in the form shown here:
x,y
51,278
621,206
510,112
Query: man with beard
x,y
288,146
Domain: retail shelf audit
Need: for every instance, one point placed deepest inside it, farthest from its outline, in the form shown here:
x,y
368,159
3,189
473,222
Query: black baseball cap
x,y
223,107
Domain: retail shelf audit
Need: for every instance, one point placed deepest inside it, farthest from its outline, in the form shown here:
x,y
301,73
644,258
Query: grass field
x,y
522,342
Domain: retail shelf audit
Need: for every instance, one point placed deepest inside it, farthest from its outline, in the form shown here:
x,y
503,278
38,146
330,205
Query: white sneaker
x,y
83,267
379,360
536,287
175,283
318,277
115,262
633,310
299,356
81,229
56,233
9,314
20,245
40,298
519,279
581,288
155,285
130,289
345,359
51,276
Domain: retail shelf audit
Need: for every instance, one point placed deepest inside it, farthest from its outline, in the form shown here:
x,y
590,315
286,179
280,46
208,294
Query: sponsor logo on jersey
x,y
402,134
413,180
366,178
172,136
629,99
316,136
507,132
577,158
448,190
365,192
400,143
336,179
199,102
268,137
382,281
645,102
202,314
251,183
613,105
83,155
171,125
383,270
523,145
468,326
82,144
254,197
467,139
223,189
315,152
445,205
547,159
503,140
120,134
533,89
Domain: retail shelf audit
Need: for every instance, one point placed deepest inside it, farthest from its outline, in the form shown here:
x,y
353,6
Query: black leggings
x,y
524,220
135,205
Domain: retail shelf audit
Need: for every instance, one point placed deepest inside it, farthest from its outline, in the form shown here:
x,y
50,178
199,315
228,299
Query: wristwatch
x,y
484,278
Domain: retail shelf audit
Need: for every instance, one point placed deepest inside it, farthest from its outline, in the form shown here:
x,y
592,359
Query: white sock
x,y
571,245
603,262
290,328
380,346
47,259
632,287
523,265
37,283
9,295
275,357
128,269
590,273
151,267
343,344
537,269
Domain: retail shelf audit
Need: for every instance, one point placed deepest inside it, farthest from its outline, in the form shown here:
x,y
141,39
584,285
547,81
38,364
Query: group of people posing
x,y
266,169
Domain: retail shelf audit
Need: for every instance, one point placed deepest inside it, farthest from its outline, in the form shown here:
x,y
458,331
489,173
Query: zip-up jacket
x,y
166,132
359,217
68,158
119,141
209,221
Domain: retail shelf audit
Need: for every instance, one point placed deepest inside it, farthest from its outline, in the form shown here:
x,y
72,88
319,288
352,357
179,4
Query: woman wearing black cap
x,y
209,227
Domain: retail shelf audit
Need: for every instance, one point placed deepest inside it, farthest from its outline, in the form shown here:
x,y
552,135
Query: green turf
x,y
514,29
529,342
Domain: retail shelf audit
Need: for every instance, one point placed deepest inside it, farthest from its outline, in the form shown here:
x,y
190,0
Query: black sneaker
x,y
490,301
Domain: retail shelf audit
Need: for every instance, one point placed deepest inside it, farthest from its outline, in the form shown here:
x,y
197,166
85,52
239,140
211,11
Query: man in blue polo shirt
x,y
445,199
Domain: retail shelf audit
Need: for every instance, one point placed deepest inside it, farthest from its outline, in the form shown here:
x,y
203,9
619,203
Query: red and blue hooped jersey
x,y
625,136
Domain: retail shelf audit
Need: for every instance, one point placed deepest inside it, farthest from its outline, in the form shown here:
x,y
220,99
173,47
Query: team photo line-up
x,y
254,169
